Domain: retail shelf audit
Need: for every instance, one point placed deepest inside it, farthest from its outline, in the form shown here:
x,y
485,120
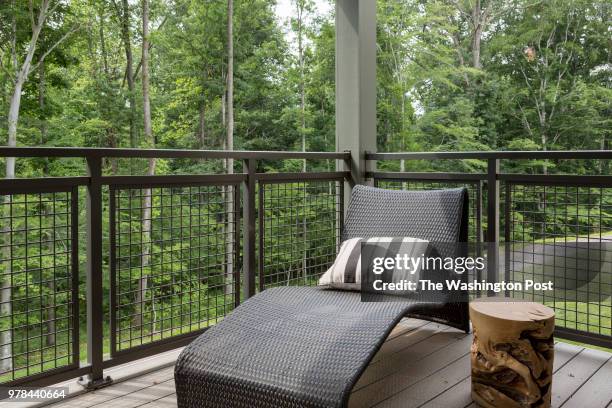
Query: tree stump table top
x,y
512,353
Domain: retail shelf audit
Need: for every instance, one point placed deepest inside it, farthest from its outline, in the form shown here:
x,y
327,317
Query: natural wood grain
x,y
512,353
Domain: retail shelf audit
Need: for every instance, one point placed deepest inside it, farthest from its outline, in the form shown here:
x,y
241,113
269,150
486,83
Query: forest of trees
x,y
452,75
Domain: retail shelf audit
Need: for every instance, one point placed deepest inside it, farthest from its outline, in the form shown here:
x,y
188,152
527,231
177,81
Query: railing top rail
x,y
551,154
94,152
398,175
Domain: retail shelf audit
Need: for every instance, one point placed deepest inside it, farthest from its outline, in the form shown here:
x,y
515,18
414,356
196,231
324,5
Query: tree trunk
x,y
544,148
6,336
603,166
230,204
476,48
478,22
223,140
202,125
230,79
146,101
300,25
129,71
20,76
13,118
111,133
103,43
300,22
50,339
41,103
148,199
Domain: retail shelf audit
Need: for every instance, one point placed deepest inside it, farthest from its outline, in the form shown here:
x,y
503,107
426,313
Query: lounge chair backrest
x,y
435,215
439,216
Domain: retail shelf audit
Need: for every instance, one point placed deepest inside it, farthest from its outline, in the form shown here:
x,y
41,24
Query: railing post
x,y
349,182
248,212
507,232
492,221
95,313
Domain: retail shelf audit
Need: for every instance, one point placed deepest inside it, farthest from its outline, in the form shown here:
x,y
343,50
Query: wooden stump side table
x,y
512,353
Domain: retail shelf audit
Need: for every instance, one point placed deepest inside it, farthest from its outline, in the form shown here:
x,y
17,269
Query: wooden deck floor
x,y
420,365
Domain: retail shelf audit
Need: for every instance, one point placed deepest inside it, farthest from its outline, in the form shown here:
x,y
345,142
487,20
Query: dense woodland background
x,y
228,74
452,75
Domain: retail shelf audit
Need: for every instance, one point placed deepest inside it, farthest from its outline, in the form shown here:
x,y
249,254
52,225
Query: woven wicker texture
x,y
307,346
439,216
434,215
285,347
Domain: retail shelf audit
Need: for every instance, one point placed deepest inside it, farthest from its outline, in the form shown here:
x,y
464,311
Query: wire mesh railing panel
x,y
474,193
563,235
174,266
299,231
39,283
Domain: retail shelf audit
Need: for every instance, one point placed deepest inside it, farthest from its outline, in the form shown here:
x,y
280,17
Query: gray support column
x,y
355,84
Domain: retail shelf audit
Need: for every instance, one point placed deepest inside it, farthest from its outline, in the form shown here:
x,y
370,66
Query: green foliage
x,y
540,79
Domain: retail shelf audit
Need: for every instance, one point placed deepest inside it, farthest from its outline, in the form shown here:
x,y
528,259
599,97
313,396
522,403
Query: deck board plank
x,y
417,346
414,369
459,395
408,339
405,326
422,364
165,402
575,373
121,390
141,397
564,353
596,391
429,387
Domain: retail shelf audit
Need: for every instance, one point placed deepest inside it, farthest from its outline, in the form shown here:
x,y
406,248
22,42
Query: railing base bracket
x,y
95,384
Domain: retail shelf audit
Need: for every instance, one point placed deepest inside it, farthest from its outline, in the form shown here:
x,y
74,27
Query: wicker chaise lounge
x,y
308,346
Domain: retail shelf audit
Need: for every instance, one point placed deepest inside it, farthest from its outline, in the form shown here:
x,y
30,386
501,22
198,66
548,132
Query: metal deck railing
x,y
547,227
99,269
